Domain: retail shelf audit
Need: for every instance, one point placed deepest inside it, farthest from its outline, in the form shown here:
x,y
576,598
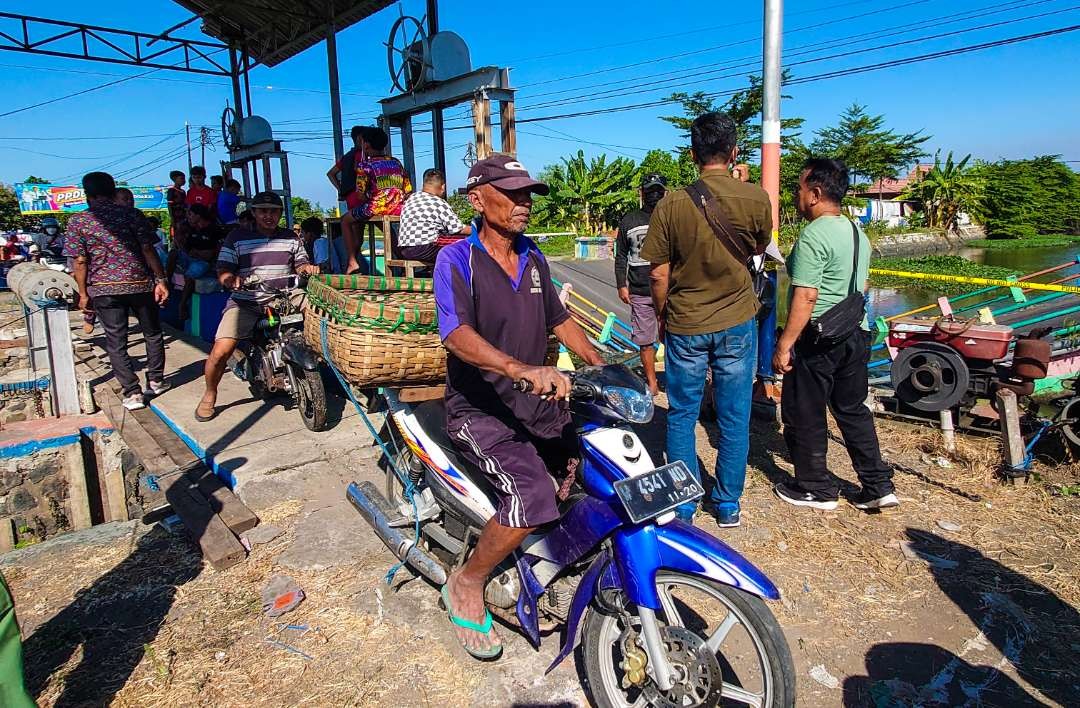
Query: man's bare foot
x,y
353,268
467,600
88,327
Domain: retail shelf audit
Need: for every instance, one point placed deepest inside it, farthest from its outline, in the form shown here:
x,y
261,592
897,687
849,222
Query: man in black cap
x,y
270,253
632,275
496,306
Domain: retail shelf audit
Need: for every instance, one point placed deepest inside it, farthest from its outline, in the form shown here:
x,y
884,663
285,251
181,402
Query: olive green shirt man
x,y
710,289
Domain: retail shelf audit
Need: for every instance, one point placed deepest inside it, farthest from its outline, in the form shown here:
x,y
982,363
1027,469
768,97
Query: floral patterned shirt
x,y
111,237
382,185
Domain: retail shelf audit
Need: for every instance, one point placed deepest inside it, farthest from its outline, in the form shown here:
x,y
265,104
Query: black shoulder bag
x,y
839,321
706,203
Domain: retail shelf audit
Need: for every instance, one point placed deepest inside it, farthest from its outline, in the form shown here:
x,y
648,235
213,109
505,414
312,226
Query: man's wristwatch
x,y
161,281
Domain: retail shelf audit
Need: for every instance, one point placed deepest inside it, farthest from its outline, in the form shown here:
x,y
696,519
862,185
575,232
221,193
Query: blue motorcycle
x,y
667,614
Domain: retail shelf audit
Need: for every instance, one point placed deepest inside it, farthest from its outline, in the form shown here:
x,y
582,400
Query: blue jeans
x,y
732,356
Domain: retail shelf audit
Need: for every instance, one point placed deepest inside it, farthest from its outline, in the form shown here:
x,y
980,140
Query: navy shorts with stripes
x,y
517,465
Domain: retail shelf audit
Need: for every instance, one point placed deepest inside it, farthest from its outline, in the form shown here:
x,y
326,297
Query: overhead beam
x,y
39,35
491,80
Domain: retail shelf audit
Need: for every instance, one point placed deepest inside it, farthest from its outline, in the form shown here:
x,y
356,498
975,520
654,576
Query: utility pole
x,y
203,139
765,392
187,132
770,110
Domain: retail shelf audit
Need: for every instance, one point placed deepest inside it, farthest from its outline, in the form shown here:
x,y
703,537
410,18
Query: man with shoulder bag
x,y
699,242
825,347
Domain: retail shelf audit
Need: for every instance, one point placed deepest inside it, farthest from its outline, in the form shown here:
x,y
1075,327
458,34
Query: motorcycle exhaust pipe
x,y
373,506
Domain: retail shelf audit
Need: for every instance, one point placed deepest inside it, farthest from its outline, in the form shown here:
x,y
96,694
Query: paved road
x,y
594,280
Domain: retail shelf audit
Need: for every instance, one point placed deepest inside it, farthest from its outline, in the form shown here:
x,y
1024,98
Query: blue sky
x,y
1010,101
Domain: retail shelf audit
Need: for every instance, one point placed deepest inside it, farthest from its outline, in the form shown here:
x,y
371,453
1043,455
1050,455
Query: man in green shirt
x,y
12,689
819,375
706,304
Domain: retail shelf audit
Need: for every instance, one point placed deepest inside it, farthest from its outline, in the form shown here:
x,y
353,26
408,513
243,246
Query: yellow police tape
x,y
1075,290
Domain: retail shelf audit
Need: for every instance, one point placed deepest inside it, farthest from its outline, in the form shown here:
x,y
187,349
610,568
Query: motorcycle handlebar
x,y
577,391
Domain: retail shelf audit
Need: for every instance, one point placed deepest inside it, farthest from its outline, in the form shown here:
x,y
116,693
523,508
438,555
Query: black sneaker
x,y
793,494
867,500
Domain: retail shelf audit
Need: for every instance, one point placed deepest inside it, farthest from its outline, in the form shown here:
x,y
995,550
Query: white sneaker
x,y
134,402
867,502
156,388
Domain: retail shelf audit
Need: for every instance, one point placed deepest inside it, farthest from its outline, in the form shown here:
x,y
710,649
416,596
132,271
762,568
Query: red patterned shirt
x,y
111,237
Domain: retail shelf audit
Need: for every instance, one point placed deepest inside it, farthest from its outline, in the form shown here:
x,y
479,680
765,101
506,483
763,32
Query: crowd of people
x,y
686,263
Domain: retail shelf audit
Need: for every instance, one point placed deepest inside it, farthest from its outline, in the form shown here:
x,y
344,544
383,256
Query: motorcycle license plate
x,y
293,318
651,494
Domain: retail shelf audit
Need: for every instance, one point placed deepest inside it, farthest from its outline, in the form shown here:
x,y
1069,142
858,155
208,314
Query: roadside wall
x,y
34,493
923,242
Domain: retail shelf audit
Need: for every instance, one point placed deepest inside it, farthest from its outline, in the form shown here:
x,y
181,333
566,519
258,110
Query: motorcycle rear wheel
x,y
737,626
311,399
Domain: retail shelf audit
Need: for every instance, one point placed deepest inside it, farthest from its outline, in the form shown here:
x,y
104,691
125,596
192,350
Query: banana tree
x,y
946,191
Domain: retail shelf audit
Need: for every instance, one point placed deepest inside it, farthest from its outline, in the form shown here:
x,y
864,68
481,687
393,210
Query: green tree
x,y
10,217
303,208
588,194
794,155
1024,198
948,189
678,171
869,149
461,206
35,180
744,107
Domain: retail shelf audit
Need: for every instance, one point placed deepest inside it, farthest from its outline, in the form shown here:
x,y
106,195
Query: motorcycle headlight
x,y
635,406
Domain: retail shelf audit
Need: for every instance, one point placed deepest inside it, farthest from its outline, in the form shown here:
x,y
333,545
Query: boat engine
x,y
944,363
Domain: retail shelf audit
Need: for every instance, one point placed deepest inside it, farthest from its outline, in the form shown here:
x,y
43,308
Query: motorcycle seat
x,y
431,415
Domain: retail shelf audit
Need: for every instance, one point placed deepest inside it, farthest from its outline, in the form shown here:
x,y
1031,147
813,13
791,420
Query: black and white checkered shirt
x,y
424,218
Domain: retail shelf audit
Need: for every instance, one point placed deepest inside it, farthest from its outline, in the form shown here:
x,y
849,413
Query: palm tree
x,y
948,189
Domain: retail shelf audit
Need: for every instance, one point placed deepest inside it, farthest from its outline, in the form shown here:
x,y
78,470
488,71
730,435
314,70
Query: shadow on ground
x,y
111,622
1028,624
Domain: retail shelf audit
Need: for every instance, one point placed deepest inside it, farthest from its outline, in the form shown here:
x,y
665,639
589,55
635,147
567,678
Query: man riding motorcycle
x,y
51,242
496,305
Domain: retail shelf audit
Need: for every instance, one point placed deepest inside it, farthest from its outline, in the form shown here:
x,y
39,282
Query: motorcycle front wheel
x,y
700,620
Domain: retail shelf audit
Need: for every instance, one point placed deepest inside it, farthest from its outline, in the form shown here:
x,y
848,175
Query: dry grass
x,y
843,577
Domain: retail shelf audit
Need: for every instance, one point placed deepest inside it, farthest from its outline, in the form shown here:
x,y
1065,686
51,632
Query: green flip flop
x,y
482,628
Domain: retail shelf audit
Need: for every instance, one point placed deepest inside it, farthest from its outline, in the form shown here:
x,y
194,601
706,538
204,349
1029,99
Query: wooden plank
x,y
78,493
508,125
421,393
219,545
1011,435
7,535
223,501
112,477
12,343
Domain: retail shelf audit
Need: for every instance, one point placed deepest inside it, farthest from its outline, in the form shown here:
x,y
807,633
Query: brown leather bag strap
x,y
706,203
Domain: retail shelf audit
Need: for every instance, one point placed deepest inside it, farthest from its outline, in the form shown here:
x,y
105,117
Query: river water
x,y
889,301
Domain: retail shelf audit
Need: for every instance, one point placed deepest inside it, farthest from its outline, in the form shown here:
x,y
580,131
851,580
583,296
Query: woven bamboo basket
x,y
379,331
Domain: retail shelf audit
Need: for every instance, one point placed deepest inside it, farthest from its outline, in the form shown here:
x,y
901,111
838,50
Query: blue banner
x,y
66,199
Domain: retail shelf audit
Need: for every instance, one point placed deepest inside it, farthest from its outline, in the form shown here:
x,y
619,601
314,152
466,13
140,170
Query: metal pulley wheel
x,y
930,377
408,54
1071,412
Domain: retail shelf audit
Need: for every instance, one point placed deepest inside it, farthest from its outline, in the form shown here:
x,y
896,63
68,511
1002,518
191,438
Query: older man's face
x,y
506,210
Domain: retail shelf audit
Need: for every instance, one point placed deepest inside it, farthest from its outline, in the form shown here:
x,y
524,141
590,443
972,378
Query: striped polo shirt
x,y
272,258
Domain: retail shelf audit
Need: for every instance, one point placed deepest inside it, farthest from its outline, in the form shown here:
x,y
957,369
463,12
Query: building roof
x,y
892,188
278,29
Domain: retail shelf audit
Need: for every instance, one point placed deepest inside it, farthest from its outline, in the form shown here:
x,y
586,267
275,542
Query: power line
x,y
748,40
92,89
755,60
676,34
818,77
668,85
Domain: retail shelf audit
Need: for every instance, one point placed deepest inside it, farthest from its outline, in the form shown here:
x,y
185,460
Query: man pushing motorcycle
x,y
496,305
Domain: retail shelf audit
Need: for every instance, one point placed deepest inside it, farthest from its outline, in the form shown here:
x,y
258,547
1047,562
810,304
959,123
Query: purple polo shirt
x,y
514,315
